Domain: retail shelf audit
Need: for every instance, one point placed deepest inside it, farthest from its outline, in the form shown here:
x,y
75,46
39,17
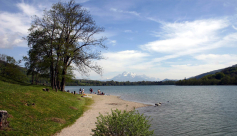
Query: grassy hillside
x,y
211,72
227,76
36,112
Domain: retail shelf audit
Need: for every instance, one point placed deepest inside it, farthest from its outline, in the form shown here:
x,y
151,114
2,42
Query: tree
x,y
9,68
219,75
120,123
65,36
226,80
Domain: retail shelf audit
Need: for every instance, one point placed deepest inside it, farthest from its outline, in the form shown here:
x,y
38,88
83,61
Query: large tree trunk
x,y
36,79
56,87
57,83
52,76
32,78
63,79
56,74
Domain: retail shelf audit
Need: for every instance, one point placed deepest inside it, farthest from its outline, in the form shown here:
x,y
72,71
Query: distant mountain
x,y
132,77
211,72
169,80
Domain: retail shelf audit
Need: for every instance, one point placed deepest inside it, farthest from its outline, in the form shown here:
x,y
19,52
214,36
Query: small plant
x,y
122,123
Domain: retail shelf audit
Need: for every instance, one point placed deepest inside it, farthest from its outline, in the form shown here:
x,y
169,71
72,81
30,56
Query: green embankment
x,y
36,112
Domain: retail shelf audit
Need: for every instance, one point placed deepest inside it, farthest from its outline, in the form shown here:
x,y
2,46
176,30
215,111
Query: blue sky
x,y
159,38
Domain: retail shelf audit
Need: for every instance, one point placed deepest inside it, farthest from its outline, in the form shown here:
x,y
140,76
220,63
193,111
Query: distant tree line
x,y
78,82
227,76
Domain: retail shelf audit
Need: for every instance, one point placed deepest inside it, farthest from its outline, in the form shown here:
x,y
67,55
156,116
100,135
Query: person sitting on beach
x,y
83,91
99,91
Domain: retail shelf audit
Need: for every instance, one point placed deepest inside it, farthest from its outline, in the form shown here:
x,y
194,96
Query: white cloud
x,y
188,38
112,42
122,11
182,71
234,27
10,40
117,62
155,20
122,61
178,37
28,9
82,1
205,63
125,55
11,22
14,26
106,34
227,59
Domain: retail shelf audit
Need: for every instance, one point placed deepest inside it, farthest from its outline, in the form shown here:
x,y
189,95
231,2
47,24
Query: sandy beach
x,y
103,104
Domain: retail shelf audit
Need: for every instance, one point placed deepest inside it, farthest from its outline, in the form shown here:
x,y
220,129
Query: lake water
x,y
185,110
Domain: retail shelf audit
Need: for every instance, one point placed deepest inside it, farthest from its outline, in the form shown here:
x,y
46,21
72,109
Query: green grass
x,y
36,112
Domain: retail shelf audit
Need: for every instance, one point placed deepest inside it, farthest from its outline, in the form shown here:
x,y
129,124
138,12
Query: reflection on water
x,y
185,110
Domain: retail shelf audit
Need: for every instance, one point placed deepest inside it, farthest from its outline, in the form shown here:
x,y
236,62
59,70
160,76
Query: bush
x,y
122,123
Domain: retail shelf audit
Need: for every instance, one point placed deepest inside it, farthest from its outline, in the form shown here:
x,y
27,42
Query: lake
x,y
185,110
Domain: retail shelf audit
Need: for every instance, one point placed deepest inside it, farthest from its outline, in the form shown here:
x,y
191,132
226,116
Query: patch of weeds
x,y
73,108
58,120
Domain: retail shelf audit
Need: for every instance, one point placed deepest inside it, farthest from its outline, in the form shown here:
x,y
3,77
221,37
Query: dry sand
x,y
103,104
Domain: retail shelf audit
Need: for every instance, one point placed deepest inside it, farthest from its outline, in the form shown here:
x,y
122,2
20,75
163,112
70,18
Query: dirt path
x,y
103,104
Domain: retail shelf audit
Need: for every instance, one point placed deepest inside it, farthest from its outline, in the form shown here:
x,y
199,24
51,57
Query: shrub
x,y
122,123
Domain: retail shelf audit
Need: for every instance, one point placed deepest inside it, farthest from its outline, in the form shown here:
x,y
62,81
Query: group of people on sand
x,y
100,93
91,91
81,91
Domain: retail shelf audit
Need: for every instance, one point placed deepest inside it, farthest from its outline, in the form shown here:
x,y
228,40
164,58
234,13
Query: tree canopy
x,y
65,35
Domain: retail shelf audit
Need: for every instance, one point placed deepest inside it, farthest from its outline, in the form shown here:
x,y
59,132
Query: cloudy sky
x,y
159,38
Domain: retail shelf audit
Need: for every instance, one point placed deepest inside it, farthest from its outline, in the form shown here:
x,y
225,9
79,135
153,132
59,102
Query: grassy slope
x,y
36,112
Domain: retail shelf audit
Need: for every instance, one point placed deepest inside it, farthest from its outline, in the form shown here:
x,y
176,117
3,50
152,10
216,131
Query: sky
x,y
172,39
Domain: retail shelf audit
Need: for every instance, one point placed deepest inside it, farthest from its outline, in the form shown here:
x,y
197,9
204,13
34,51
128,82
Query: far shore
x,y
102,104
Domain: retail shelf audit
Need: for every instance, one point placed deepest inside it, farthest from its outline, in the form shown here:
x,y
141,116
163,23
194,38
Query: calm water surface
x,y
186,110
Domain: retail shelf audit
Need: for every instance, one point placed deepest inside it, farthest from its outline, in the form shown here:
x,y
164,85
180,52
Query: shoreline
x,y
102,104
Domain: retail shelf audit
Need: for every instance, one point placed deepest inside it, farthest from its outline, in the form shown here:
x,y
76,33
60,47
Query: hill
x,y
211,72
226,76
36,112
12,70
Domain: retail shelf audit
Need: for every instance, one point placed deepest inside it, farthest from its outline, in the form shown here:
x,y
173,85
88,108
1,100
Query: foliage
x,y
120,123
81,82
37,112
227,76
9,68
62,37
